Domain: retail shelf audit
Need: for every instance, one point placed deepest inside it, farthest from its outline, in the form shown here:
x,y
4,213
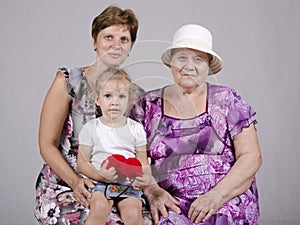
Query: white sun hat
x,y
195,37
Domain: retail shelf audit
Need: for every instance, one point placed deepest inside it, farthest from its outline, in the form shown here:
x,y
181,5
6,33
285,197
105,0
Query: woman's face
x,y
190,67
113,44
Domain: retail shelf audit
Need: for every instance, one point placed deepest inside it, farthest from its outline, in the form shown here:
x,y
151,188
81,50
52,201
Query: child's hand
x,y
109,175
142,182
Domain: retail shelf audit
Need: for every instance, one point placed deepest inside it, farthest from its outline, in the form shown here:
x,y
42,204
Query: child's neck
x,y
113,123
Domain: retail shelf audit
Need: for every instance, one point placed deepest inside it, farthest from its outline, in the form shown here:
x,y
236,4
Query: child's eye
x,y
107,96
123,96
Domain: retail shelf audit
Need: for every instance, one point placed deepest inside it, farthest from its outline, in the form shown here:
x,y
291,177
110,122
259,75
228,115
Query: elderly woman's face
x,y
189,67
113,44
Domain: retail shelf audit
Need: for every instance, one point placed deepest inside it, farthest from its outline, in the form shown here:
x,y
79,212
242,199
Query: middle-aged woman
x,y
61,193
201,139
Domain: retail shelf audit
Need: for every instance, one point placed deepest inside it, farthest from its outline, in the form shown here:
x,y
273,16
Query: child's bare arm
x,y
147,178
87,169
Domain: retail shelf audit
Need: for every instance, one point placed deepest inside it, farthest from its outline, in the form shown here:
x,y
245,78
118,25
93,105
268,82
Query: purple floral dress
x,y
190,156
54,202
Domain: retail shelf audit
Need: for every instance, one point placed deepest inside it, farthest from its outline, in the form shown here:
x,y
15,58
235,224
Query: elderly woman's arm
x,y
236,182
54,112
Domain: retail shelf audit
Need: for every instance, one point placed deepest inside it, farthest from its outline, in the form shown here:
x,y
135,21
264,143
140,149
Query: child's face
x,y
113,99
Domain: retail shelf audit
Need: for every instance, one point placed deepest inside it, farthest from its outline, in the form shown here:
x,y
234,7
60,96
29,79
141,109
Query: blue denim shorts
x,y
115,191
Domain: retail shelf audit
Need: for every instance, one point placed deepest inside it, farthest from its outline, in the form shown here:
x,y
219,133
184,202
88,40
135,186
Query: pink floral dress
x,y
54,202
190,156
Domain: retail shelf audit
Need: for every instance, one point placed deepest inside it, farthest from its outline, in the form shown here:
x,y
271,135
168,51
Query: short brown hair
x,y
113,15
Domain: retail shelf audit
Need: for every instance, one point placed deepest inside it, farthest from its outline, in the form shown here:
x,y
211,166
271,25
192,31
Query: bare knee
x,y
131,212
132,217
99,206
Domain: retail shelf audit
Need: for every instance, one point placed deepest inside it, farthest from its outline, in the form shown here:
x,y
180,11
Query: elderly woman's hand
x,y
159,200
205,206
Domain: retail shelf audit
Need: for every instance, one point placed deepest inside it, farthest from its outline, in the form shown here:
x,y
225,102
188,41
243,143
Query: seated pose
x,y
115,137
61,194
201,139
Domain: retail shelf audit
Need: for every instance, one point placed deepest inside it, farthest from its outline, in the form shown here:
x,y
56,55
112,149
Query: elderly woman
x,y
201,139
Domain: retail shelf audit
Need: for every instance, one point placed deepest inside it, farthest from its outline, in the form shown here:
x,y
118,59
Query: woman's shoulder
x,y
221,92
71,72
217,88
73,77
153,94
225,97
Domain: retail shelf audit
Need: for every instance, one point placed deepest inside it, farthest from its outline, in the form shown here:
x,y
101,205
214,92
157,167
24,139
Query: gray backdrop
x,y
258,41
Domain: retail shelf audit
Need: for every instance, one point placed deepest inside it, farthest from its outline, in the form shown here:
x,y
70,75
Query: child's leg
x,y
100,207
131,211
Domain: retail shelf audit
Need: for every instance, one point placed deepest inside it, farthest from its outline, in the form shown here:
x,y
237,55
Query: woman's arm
x,y
54,112
248,161
238,179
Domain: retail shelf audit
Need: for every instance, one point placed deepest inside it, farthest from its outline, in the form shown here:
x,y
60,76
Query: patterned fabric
x,y
54,202
118,191
189,157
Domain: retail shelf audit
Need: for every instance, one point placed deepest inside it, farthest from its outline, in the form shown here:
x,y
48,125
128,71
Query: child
x,y
113,133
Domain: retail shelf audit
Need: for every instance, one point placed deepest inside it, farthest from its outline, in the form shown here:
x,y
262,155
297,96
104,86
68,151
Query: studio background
x,y
258,41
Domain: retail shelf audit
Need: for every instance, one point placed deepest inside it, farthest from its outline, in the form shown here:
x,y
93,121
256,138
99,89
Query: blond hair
x,y
120,75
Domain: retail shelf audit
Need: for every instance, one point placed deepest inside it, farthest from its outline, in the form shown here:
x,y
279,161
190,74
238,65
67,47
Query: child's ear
x,y
97,102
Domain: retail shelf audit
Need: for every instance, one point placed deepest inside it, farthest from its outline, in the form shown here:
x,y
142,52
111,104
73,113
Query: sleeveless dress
x,y
190,156
54,202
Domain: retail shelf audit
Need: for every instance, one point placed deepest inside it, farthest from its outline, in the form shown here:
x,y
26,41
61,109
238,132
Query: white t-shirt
x,y
107,140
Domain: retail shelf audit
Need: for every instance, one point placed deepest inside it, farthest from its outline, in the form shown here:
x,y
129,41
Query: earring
x,y
95,49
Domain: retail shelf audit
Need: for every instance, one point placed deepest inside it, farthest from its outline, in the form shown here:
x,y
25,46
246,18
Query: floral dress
x,y
190,156
54,202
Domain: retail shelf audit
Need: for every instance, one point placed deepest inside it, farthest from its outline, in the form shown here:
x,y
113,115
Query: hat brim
x,y
216,63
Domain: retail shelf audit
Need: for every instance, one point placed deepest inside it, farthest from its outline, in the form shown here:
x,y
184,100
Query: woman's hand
x,y
80,192
205,206
159,200
108,175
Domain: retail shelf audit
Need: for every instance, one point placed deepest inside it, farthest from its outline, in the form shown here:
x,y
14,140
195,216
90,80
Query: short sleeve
x,y
85,136
73,77
240,114
138,132
140,137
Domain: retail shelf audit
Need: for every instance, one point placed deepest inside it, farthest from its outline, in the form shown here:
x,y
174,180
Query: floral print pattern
x,y
54,203
189,157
